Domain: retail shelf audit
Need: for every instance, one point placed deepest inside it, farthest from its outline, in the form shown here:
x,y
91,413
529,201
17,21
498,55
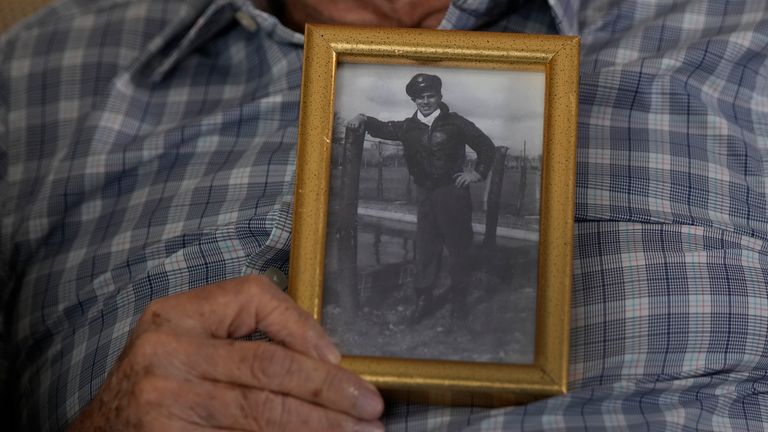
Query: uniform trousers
x,y
444,221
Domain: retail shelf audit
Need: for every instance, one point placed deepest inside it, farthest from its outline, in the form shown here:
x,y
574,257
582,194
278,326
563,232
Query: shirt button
x,y
246,21
277,277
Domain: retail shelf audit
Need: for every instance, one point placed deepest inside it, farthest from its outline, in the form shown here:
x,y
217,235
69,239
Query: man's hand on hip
x,y
182,370
465,178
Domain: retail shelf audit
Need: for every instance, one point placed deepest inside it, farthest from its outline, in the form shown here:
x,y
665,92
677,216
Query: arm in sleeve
x,y
481,144
391,130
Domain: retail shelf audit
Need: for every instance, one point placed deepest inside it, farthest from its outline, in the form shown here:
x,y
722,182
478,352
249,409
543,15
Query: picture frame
x,y
506,63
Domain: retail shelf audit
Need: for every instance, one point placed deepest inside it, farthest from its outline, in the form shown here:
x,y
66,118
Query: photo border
x,y
447,381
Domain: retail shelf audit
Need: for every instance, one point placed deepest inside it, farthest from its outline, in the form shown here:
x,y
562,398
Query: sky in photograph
x,y
506,105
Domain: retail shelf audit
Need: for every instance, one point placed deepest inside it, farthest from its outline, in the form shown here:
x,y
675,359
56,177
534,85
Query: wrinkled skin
x,y
182,370
391,13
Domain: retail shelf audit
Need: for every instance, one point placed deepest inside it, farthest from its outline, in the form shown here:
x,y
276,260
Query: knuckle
x,y
259,286
271,412
258,281
148,392
245,408
149,346
268,364
276,312
329,384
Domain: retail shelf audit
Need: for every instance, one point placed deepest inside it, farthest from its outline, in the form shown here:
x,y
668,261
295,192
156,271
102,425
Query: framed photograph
x,y
434,207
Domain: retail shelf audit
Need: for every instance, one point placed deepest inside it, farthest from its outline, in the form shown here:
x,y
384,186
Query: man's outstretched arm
x,y
391,130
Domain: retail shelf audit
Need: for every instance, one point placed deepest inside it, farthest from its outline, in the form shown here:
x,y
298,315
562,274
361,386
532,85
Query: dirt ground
x,y
496,322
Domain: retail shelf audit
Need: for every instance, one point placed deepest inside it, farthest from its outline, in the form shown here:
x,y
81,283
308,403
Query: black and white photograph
x,y
434,210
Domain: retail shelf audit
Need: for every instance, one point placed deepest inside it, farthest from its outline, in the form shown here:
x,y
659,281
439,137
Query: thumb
x,y
238,307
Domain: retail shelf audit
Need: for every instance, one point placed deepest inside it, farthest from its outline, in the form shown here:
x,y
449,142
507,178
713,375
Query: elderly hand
x,y
183,371
357,122
464,178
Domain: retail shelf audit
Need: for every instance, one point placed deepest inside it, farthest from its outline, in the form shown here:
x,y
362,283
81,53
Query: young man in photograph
x,y
434,140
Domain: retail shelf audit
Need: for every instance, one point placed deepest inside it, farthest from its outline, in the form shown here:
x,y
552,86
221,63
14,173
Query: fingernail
x,y
369,403
329,353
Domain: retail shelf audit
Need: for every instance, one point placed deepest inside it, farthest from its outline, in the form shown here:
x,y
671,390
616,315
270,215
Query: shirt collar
x,y
198,23
472,14
566,13
202,19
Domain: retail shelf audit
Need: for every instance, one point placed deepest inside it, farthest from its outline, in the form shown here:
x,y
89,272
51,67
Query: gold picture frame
x,y
439,381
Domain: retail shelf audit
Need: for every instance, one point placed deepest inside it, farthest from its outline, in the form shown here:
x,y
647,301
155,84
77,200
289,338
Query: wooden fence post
x,y
349,292
523,184
494,197
380,172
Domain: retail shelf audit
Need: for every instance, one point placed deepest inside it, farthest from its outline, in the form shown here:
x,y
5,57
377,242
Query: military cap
x,y
423,83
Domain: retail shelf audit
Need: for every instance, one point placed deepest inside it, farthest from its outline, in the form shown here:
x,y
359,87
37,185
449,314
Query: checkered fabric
x,y
147,148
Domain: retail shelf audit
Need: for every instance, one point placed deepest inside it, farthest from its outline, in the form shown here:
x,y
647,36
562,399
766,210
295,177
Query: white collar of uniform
x,y
428,119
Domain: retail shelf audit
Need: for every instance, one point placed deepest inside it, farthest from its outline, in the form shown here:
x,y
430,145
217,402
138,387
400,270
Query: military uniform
x,y
434,155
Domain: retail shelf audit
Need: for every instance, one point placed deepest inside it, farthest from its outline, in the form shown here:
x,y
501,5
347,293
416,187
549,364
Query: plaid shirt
x,y
147,148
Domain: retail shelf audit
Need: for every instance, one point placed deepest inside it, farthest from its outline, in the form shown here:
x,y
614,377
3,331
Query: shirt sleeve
x,y
391,130
478,141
